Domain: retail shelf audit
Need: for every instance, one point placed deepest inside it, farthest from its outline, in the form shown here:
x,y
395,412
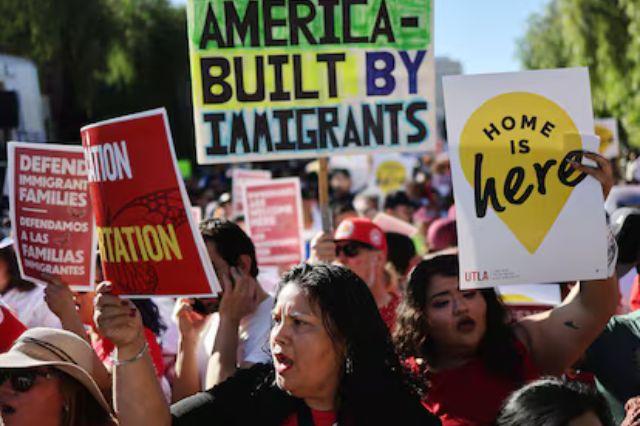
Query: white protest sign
x,y
389,223
337,78
607,129
392,171
523,214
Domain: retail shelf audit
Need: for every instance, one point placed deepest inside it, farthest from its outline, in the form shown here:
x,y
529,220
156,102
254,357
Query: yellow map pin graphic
x,y
513,152
606,138
391,175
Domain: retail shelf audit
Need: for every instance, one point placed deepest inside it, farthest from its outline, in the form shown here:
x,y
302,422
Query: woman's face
x,y
456,320
40,405
307,362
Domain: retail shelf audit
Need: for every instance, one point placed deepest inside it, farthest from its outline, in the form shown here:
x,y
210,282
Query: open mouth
x,y
282,363
466,325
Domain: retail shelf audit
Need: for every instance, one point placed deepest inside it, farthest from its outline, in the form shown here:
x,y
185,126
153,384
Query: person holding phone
x,y
219,336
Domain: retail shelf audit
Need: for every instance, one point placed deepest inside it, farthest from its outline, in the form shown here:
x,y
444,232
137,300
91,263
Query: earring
x,y
348,367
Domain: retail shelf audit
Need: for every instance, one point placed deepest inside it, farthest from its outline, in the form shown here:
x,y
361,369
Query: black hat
x,y
399,198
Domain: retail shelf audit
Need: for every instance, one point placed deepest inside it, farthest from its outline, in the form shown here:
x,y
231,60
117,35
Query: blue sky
x,y
481,34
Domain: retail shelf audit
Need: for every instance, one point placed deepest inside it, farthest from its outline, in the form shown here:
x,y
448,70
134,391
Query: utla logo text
x,y
476,275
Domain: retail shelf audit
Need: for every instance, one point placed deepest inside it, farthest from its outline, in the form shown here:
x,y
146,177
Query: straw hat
x,y
60,349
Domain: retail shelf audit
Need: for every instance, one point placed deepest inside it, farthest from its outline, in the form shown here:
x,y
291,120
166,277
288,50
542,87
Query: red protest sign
x,y
240,177
148,241
273,220
51,218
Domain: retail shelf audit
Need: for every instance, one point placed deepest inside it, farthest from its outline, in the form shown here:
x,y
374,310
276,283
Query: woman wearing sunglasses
x,y
46,380
332,363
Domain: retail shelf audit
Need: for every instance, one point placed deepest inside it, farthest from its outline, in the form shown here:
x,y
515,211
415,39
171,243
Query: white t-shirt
x,y
253,338
30,307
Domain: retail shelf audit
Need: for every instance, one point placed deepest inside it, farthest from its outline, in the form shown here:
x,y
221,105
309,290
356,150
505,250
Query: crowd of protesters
x,y
372,329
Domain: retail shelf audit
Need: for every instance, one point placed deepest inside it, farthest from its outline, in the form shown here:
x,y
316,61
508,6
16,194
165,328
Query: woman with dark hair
x,y
333,362
23,297
553,402
467,351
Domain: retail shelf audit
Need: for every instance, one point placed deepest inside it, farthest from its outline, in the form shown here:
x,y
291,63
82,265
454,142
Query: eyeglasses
x,y
23,380
352,248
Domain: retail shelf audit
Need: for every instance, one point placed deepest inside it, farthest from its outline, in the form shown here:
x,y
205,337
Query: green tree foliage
x,y
603,35
103,58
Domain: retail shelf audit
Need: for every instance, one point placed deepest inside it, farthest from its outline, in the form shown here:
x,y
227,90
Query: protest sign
x,y
391,172
238,178
51,215
281,80
607,129
523,214
149,243
389,223
273,220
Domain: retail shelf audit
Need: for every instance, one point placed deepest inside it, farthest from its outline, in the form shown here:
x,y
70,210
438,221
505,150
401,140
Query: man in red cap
x,y
360,245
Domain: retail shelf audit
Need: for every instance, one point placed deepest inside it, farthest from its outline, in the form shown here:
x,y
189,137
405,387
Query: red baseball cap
x,y
363,230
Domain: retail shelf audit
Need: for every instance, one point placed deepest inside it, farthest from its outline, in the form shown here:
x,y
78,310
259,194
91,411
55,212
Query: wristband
x,y
118,363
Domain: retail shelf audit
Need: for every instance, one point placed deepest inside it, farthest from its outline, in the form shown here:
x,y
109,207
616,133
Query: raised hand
x,y
118,320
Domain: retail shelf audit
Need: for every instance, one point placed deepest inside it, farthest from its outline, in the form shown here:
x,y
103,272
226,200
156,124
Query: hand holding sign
x,y
603,173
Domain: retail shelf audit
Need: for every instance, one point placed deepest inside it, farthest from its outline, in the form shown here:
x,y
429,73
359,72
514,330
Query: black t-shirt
x,y
251,397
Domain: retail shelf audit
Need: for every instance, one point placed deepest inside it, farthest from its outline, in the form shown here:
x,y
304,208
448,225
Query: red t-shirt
x,y
388,311
320,418
470,394
634,299
10,329
104,348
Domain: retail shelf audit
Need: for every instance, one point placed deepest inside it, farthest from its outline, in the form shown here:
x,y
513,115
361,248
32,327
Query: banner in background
x,y
281,80
51,218
240,177
391,172
148,240
523,214
273,220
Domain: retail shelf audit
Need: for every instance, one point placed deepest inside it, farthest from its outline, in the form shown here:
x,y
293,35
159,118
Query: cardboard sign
x,y
391,172
282,80
389,223
607,129
531,294
523,214
51,217
149,243
273,220
238,178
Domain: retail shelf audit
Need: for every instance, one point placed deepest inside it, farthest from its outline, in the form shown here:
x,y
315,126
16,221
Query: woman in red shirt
x,y
469,354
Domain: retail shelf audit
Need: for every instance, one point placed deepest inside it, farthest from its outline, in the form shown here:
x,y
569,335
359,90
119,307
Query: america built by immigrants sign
x,y
275,79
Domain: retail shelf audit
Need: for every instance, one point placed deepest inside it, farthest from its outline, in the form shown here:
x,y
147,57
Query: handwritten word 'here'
x,y
485,188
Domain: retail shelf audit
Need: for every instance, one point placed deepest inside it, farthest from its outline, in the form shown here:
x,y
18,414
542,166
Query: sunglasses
x,y
22,380
352,248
